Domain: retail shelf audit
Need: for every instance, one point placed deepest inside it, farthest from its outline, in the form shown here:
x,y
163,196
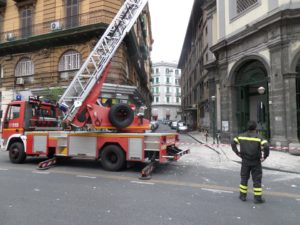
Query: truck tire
x,y
113,158
16,153
121,115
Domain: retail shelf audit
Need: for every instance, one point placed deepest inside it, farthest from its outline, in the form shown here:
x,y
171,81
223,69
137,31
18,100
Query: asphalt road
x,y
201,188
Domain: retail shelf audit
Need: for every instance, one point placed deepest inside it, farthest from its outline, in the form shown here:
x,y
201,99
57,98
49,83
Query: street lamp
x,y
213,99
261,90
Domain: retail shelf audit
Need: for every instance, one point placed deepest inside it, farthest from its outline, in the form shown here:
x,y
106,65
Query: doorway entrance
x,y
252,97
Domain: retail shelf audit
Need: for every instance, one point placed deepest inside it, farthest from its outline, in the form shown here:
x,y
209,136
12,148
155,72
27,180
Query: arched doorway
x,y
298,97
252,105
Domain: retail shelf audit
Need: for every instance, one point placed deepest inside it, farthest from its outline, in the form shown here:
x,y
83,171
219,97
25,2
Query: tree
x,y
53,94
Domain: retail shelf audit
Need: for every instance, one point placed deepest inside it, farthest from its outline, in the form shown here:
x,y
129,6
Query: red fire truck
x,y
32,127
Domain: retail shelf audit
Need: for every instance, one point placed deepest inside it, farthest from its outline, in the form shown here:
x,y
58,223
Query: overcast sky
x,y
169,20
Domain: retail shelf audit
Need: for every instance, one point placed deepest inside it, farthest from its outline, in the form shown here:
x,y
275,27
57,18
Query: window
x,y
168,89
242,5
177,100
156,90
168,99
157,80
13,112
167,70
24,68
1,71
69,61
1,20
157,71
156,99
177,81
176,72
168,80
126,68
26,21
237,7
72,11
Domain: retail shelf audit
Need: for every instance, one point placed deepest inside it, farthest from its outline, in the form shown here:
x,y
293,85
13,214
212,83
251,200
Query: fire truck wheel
x,y
121,115
16,153
113,158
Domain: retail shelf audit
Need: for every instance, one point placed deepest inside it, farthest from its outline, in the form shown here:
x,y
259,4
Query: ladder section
x,y
92,69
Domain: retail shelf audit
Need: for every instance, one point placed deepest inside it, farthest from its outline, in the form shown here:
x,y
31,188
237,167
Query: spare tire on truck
x,y
16,153
121,115
113,158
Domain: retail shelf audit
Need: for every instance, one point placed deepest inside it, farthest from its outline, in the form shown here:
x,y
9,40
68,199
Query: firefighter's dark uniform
x,y
251,146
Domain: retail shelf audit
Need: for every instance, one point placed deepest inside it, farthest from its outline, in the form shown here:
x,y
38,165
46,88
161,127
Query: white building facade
x,y
165,87
258,48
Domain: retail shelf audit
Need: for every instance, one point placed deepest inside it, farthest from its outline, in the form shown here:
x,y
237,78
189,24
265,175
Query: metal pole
x,y
213,98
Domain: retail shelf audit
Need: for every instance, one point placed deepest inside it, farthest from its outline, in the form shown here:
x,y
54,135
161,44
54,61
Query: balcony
x,y
66,30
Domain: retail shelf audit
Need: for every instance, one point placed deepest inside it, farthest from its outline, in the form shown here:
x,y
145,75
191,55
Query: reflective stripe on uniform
x,y
257,191
236,140
249,139
243,188
264,142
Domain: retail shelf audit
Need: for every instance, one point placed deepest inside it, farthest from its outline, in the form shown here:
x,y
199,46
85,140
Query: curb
x,y
264,167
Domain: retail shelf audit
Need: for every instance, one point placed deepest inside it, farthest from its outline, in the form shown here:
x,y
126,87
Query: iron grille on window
x,y
242,5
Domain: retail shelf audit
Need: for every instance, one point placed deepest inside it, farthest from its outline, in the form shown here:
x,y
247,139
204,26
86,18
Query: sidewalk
x,y
279,161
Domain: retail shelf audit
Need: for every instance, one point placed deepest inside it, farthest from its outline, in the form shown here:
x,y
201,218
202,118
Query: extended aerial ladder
x,y
82,93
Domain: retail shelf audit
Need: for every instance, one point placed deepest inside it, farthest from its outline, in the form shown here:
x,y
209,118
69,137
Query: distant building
x,y
166,91
196,61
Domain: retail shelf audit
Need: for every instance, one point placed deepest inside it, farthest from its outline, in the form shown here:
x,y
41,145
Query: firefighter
x,y
254,149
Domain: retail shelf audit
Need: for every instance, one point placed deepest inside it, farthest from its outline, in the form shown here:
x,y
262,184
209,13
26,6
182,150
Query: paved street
x,y
201,188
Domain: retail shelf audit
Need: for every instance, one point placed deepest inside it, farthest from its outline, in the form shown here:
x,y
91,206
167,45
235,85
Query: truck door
x,y
13,121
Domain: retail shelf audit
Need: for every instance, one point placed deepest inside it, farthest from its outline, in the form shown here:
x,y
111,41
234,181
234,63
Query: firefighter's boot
x,y
258,200
257,195
243,192
243,196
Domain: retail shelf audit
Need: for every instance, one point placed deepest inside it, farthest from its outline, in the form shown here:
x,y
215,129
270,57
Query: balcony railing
x,y
66,23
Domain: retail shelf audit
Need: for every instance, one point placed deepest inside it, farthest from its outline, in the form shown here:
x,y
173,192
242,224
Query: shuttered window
x,y
69,61
24,67
26,21
72,11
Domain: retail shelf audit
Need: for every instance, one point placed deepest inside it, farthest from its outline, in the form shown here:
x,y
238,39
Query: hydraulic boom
x,y
90,77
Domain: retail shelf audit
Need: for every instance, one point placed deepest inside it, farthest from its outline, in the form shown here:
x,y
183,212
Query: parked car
x,y
154,125
174,125
181,127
